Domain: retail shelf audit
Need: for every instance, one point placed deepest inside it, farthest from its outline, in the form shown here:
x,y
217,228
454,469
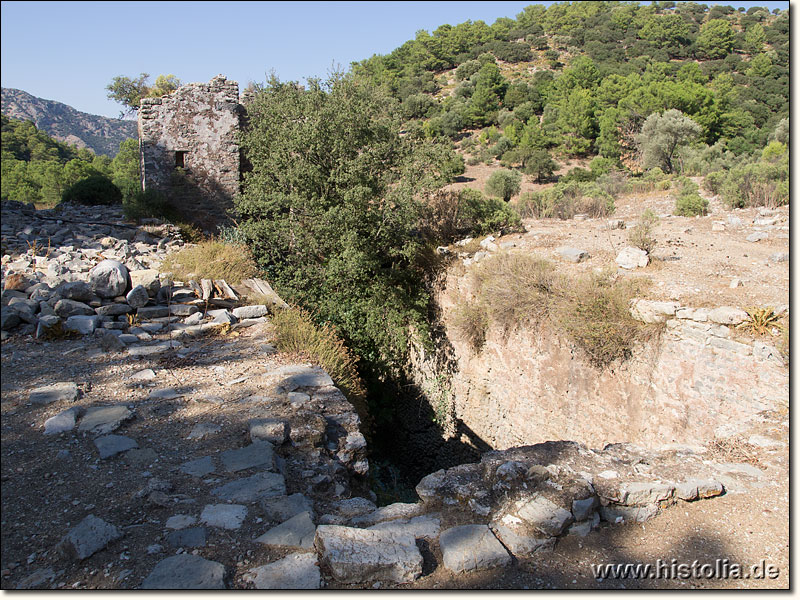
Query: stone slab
x,y
186,572
362,556
544,515
65,391
199,467
257,454
472,548
191,537
297,532
104,419
111,445
180,521
201,430
62,422
224,516
253,488
282,508
88,536
294,572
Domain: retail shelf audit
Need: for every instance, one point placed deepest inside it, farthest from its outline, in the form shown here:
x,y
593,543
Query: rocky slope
x,y
100,134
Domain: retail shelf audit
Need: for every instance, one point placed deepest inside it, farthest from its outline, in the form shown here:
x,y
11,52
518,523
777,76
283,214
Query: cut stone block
x,y
257,454
224,516
472,548
192,537
282,508
362,556
544,515
253,488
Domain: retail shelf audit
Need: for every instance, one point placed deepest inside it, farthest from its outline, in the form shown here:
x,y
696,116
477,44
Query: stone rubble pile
x,y
103,280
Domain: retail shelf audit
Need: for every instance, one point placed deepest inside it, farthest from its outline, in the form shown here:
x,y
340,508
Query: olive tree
x,y
661,137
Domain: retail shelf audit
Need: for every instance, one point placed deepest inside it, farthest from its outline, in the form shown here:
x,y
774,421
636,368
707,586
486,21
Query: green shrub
x,y
641,235
96,190
689,203
504,183
451,214
762,183
713,181
148,204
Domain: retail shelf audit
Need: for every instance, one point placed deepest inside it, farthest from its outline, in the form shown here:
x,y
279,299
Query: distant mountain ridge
x,y
99,134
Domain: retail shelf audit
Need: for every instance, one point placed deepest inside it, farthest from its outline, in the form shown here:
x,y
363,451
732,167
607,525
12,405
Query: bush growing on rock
x,y
93,191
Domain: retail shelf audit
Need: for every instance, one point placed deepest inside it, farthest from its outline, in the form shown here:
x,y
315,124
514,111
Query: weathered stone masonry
x,y
189,147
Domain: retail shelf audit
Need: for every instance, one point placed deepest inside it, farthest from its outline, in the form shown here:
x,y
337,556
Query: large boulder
x,y
109,279
631,258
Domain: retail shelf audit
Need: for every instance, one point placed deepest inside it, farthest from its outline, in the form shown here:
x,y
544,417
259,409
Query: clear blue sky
x,y
69,51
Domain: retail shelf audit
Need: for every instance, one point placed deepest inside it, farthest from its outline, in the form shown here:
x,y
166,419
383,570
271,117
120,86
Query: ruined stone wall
x,y
189,148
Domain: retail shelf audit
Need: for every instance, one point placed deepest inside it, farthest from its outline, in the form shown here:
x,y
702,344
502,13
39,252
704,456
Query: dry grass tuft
x,y
734,449
211,259
297,333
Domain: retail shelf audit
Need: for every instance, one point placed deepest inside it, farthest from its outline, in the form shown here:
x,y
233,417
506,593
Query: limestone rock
x,y
422,527
201,430
82,324
695,489
199,467
180,521
544,515
574,255
88,536
186,572
75,290
104,419
362,556
297,532
111,342
640,493
191,537
631,258
224,516
251,489
618,514
652,311
109,278
137,297
297,376
294,572
250,312
65,391
147,278
111,445
472,548
581,509
275,431
727,315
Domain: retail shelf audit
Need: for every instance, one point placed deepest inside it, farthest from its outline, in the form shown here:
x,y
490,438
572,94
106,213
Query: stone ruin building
x,y
189,148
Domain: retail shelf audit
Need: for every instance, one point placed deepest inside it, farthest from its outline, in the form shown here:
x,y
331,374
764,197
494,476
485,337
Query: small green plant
x,y
689,203
760,321
641,235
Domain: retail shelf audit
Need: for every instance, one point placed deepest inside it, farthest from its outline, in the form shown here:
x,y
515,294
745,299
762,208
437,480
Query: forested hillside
x,y
580,79
39,169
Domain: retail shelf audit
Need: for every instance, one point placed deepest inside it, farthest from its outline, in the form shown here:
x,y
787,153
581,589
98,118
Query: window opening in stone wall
x,y
180,159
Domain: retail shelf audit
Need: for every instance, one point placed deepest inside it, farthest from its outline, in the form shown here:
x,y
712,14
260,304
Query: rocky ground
x,y
174,451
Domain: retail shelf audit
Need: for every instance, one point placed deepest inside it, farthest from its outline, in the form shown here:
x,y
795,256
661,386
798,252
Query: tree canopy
x,y
129,91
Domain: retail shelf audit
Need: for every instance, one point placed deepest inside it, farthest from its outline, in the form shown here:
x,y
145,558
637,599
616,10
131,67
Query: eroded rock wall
x,y
688,385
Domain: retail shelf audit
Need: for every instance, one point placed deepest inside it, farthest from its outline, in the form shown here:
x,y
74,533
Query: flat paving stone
x,y
294,572
201,430
140,457
186,572
165,394
297,376
65,390
251,489
282,508
111,445
224,516
472,548
191,537
88,536
104,419
180,521
257,454
159,348
297,532
423,527
62,422
199,467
